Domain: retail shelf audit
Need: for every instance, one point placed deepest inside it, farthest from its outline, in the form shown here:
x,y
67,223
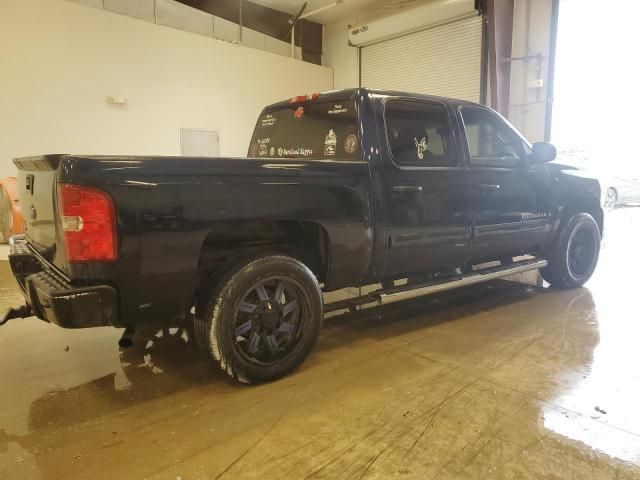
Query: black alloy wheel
x,y
269,319
581,251
573,256
260,317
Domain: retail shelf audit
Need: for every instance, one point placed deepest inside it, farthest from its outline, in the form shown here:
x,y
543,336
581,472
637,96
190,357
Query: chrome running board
x,y
397,294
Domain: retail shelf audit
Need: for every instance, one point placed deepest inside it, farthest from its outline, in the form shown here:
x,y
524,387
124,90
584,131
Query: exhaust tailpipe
x,y
126,340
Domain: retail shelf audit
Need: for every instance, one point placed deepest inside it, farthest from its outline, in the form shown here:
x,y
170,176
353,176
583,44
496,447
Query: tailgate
x,y
36,190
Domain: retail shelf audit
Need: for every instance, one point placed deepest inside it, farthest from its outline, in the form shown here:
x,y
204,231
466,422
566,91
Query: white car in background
x,y
622,189
620,186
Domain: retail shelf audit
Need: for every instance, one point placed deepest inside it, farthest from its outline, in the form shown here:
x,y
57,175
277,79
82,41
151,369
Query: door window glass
x,y
492,143
419,134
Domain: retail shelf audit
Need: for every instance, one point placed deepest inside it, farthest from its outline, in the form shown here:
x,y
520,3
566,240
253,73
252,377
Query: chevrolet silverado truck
x,y
415,193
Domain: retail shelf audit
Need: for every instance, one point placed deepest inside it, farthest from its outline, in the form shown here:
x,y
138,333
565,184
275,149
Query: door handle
x,y
406,188
489,187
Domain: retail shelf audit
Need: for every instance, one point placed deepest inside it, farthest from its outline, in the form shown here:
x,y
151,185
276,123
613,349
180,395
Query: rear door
x,y
426,193
511,200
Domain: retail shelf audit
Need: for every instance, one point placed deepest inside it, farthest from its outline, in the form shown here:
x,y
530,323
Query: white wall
x,y
339,56
60,60
532,26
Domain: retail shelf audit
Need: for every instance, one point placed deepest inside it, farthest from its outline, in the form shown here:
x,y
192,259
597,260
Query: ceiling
x,y
356,11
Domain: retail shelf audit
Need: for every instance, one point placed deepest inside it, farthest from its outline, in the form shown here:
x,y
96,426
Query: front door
x,y
427,205
512,204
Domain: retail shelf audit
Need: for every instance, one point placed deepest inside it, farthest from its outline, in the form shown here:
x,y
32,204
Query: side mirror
x,y
543,152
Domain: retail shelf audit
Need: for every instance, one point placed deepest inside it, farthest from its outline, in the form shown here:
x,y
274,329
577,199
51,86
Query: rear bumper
x,y
52,297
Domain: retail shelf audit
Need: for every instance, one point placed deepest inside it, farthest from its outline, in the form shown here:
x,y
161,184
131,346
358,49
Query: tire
x,y
574,256
610,199
261,318
199,333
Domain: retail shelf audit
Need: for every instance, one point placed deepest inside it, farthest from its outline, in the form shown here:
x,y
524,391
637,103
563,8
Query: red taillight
x,y
304,98
88,224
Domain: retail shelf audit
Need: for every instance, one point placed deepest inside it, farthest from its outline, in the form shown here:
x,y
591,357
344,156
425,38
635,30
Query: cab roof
x,y
377,95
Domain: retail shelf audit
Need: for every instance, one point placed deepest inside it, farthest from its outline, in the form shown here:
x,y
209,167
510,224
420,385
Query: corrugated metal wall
x,y
443,60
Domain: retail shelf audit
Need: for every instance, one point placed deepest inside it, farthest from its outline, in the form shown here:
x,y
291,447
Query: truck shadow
x,y
422,313
165,362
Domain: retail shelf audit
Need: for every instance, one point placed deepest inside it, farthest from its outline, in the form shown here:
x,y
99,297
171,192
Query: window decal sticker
x,y
296,152
330,142
337,108
263,146
268,121
351,143
421,146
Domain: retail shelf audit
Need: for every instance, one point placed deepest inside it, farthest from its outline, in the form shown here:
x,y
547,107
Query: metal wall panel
x,y
183,17
253,39
443,60
226,30
180,16
89,3
142,9
274,45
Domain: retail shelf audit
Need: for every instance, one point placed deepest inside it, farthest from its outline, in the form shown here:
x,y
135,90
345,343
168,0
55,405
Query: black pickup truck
x,y
347,188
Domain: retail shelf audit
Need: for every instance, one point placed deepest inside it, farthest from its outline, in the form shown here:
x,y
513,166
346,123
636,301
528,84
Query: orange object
x,y
10,212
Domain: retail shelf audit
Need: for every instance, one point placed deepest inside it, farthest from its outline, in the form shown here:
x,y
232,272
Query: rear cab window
x,y
315,130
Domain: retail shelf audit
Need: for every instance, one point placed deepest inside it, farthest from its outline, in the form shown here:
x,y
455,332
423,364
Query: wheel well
x,y
231,240
586,205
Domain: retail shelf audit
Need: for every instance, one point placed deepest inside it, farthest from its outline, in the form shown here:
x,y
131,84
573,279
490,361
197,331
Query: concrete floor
x,y
501,380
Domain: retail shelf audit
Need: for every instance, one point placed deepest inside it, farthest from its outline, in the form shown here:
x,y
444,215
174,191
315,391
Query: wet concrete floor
x,y
501,380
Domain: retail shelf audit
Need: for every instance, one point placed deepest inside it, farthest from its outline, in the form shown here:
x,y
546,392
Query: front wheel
x,y
260,320
575,255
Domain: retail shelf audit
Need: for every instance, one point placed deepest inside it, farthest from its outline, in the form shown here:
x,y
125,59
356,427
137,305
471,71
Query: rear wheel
x,y
260,320
575,255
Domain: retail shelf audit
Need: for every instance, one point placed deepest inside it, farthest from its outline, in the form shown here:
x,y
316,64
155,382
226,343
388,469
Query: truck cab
x,y
461,188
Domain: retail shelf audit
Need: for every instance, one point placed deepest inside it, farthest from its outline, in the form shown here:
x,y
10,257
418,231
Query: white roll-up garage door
x,y
442,60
